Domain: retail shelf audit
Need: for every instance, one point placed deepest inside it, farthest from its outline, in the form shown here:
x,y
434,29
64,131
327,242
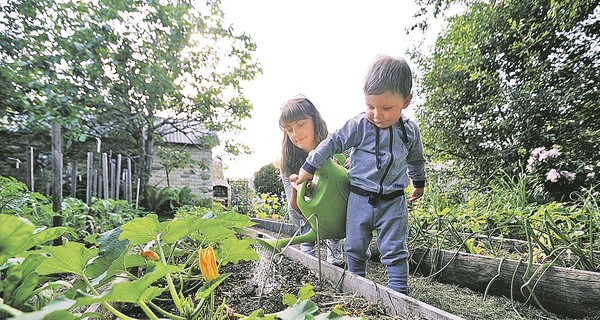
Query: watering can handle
x,y
301,190
340,158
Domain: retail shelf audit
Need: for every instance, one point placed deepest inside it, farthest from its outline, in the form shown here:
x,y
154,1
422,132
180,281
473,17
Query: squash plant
x,y
158,260
114,254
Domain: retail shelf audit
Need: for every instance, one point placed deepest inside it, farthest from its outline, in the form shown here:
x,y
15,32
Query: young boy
x,y
387,151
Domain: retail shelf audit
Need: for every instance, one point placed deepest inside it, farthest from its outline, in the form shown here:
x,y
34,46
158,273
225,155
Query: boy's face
x,y
383,110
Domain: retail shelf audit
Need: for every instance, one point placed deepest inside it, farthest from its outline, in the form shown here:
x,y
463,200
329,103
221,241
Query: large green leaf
x,y
140,230
146,229
110,245
196,224
69,258
45,236
172,231
234,250
56,305
300,310
14,235
236,220
213,234
103,270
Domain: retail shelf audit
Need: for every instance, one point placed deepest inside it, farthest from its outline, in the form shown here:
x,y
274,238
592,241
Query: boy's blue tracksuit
x,y
381,163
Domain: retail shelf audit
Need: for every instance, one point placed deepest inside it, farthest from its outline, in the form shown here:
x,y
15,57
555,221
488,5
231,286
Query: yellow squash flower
x,y
208,264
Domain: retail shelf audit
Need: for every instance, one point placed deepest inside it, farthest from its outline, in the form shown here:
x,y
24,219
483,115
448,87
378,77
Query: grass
x,y
464,302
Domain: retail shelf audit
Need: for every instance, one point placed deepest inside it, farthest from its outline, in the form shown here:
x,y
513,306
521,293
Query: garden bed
x,y
393,303
455,296
568,292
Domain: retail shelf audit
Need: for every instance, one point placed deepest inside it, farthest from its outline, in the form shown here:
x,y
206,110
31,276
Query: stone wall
x,y
198,179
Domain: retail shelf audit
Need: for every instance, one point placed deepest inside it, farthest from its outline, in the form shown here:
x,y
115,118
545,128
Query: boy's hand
x,y
416,194
302,176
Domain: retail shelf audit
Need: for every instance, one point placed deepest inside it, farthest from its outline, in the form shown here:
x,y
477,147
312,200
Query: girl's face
x,y
383,110
301,133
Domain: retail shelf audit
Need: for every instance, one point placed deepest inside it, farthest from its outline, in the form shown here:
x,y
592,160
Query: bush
x,y
558,176
267,180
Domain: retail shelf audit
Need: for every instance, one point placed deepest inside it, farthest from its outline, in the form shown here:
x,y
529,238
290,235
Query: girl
x,y
303,129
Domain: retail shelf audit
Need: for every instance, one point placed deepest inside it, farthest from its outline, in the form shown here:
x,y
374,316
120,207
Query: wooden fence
x,y
105,175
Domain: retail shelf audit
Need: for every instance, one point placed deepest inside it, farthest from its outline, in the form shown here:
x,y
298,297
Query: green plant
x,y
268,206
21,286
160,200
16,199
301,307
268,180
559,177
171,239
164,254
563,234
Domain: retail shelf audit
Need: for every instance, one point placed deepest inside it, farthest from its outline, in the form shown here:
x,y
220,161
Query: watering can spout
x,y
323,204
277,244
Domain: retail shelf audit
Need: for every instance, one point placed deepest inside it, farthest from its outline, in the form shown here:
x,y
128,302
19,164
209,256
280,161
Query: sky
x,y
318,48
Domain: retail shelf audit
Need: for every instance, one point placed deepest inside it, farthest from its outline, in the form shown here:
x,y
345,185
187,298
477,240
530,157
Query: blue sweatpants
x,y
390,219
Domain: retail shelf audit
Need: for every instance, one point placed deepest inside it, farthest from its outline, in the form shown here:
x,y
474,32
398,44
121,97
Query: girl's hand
x,y
293,178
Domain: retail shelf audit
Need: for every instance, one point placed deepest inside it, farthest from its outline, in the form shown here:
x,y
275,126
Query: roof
x,y
184,132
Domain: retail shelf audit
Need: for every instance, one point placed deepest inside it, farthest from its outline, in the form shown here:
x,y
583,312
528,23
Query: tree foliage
x,y
509,76
134,69
267,180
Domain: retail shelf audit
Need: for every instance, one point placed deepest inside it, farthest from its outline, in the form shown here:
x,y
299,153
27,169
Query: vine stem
x,y
104,303
165,313
170,284
147,310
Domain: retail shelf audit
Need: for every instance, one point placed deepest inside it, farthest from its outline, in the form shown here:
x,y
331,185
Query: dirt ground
x,y
254,285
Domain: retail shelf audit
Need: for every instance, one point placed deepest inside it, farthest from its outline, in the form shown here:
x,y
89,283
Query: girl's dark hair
x,y
298,108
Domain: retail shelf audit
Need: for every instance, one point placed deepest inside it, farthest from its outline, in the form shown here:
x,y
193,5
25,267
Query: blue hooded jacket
x,y
382,160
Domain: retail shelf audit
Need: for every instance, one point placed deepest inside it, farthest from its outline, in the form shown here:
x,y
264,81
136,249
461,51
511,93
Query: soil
x,y
254,285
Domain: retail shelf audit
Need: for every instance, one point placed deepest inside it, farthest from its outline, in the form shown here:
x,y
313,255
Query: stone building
x,y
198,176
221,188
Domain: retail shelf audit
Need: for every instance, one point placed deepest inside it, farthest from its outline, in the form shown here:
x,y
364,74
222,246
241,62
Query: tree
x,y
509,76
127,68
267,180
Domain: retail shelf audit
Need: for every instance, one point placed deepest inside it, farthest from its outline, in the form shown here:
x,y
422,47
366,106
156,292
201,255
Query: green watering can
x,y
323,204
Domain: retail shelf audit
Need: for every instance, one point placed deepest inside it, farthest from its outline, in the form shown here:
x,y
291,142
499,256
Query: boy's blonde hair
x,y
388,74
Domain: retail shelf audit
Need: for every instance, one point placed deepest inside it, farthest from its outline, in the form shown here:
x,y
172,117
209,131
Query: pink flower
x,y
536,152
569,175
552,175
553,153
543,155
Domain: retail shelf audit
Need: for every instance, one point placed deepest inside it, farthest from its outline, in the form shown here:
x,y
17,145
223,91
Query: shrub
x,y
558,176
267,180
